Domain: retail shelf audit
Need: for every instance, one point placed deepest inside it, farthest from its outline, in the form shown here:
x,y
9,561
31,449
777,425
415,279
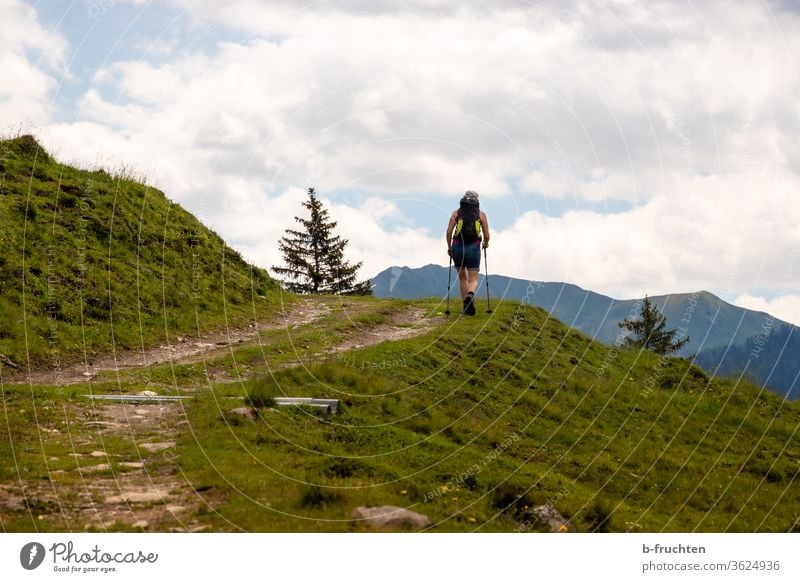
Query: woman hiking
x,y
467,229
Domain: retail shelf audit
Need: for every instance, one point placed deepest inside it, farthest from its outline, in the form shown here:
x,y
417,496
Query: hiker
x,y
467,229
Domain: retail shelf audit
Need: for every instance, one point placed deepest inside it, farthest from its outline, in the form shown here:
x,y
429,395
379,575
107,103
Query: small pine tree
x,y
648,332
314,256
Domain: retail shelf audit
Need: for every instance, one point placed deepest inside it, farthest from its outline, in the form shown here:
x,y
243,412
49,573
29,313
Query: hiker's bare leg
x,y
463,282
473,282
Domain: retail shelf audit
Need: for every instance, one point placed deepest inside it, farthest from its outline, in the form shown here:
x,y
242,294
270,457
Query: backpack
x,y
468,222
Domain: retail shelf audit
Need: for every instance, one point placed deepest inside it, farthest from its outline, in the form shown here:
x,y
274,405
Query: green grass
x,y
473,422
470,424
696,455
91,261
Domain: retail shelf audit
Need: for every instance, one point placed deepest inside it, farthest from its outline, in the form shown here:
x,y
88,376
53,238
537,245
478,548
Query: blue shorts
x,y
467,255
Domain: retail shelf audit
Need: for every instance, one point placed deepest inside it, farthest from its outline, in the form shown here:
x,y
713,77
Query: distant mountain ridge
x,y
714,326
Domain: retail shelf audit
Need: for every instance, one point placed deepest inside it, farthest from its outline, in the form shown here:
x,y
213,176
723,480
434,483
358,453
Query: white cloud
x,y
158,47
258,225
30,57
687,121
505,89
786,308
706,233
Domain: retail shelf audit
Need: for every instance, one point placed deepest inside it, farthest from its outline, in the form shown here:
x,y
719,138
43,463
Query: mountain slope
x,y
471,424
484,416
770,359
90,261
710,322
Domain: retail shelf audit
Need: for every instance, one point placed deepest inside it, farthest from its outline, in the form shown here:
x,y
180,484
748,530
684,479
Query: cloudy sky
x,y
627,147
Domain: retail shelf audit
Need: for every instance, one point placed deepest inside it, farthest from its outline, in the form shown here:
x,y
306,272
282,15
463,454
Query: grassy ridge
x,y
89,260
468,424
473,422
717,330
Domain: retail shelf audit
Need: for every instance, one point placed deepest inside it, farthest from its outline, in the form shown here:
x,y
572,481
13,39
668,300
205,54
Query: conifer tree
x,y
314,256
648,332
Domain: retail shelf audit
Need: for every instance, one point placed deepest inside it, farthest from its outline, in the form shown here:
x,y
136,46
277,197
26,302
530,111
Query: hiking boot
x,y
469,304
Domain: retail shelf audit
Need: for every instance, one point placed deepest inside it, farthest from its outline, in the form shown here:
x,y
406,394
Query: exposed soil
x,y
137,486
405,324
140,485
410,322
181,351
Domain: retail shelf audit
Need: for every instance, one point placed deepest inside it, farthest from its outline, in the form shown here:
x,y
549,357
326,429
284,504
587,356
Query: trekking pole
x,y
449,279
486,263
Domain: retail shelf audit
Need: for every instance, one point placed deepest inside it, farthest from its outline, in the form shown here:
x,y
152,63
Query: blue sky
x,y
626,147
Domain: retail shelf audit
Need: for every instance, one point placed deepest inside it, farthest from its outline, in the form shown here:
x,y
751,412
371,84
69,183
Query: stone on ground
x,y
390,517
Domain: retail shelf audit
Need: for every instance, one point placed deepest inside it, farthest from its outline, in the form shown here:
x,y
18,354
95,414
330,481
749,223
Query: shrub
x,y
471,482
317,497
508,497
28,211
261,392
344,468
598,518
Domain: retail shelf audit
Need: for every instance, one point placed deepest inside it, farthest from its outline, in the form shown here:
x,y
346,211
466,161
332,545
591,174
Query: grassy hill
x,y
471,423
712,324
91,261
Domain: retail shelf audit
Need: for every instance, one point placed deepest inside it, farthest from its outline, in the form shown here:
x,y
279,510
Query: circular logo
x,y
31,555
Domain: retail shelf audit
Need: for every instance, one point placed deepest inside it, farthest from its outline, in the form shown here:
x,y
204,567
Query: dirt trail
x,y
146,490
304,312
136,485
408,323
139,484
405,324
